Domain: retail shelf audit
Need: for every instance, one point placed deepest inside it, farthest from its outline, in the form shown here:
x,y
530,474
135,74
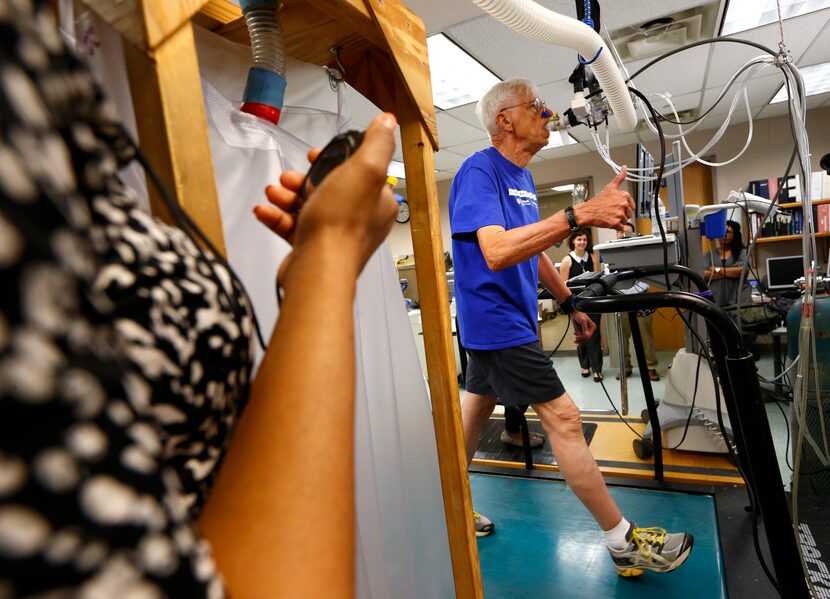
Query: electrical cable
x,y
714,105
567,328
796,112
787,427
703,345
692,407
621,417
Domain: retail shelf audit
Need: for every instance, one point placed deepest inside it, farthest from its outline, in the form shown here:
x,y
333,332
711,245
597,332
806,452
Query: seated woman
x,y
125,361
723,268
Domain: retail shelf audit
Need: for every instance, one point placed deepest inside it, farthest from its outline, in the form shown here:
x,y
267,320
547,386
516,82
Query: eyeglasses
x,y
536,104
334,154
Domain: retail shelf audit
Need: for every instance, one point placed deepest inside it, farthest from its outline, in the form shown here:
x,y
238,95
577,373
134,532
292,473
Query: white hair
x,y
498,97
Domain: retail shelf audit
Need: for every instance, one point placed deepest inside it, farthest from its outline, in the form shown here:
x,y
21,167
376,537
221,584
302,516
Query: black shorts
x,y
518,376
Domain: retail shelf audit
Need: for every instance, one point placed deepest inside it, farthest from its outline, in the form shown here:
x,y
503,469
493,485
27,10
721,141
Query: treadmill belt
x,y
490,446
546,544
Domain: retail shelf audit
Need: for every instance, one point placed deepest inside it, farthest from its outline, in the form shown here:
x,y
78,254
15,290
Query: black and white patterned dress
x,y
122,365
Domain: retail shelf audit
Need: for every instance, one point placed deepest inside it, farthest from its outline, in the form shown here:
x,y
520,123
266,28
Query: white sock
x,y
615,538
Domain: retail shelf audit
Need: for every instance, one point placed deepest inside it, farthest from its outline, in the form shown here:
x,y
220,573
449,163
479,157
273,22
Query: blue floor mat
x,y
546,544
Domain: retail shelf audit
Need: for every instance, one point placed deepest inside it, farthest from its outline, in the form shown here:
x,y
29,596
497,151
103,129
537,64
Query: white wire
x,y
746,76
790,367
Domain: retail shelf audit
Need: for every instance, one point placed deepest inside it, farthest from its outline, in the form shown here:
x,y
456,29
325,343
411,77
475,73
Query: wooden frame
x,y
383,48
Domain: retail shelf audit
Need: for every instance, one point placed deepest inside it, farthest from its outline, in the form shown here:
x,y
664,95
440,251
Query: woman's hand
x,y
353,208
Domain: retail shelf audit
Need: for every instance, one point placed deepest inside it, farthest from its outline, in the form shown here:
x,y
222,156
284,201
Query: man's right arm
x,y
609,209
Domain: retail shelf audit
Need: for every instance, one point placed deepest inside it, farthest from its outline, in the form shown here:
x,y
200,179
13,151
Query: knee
x,y
569,421
478,406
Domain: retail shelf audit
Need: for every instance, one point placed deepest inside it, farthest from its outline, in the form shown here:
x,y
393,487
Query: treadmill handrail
x,y
713,313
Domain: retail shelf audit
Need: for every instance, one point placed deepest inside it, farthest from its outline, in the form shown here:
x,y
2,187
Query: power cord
x,y
621,417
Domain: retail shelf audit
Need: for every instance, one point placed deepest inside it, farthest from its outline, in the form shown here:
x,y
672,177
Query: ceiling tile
x,y
452,132
437,16
681,102
780,108
819,51
557,94
510,54
466,113
679,74
760,92
799,34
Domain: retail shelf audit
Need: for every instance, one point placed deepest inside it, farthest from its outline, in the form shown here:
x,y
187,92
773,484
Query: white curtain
x,y
402,547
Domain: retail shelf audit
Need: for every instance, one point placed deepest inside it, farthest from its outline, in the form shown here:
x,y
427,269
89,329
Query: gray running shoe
x,y
482,524
651,549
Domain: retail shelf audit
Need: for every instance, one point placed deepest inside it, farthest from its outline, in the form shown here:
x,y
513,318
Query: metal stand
x,y
651,405
623,373
748,416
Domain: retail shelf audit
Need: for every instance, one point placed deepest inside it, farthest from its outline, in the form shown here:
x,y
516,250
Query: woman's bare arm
x,y
281,516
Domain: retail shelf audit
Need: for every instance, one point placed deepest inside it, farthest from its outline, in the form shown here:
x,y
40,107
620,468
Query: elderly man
x,y
498,243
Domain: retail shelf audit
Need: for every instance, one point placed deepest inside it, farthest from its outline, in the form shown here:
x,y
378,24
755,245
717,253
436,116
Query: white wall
x,y
766,157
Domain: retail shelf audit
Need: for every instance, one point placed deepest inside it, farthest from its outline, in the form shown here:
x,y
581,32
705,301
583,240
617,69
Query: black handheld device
x,y
333,155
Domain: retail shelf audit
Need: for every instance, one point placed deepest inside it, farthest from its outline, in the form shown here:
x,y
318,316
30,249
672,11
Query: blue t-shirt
x,y
495,309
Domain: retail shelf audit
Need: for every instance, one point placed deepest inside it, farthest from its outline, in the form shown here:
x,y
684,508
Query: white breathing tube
x,y
534,21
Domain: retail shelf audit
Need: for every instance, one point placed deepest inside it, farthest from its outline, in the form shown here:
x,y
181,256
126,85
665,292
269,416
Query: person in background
x,y
646,329
579,260
723,267
498,244
133,442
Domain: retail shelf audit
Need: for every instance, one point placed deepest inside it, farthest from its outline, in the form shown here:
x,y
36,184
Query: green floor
x,y
547,545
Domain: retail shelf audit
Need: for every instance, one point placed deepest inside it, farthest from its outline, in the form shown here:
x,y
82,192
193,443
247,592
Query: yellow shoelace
x,y
645,538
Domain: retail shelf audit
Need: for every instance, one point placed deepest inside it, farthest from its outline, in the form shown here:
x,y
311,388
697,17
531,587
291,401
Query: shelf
x,y
798,204
787,237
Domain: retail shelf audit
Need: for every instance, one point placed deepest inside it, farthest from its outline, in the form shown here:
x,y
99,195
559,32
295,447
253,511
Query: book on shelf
x,y
759,188
791,188
817,185
823,220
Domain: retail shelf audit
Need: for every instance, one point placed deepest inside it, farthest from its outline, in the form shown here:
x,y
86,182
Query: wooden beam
x,y
217,13
145,23
370,73
309,32
172,129
125,17
425,223
406,41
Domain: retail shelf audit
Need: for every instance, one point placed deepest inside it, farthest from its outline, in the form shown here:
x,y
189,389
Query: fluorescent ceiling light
x,y
457,78
396,169
569,187
556,141
748,14
816,81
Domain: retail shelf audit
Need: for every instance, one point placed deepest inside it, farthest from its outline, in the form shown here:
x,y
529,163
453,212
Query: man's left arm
x,y
550,278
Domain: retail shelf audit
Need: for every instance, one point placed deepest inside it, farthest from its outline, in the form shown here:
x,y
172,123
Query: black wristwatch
x,y
569,214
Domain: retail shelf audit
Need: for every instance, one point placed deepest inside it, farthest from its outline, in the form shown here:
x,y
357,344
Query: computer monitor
x,y
645,189
781,272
